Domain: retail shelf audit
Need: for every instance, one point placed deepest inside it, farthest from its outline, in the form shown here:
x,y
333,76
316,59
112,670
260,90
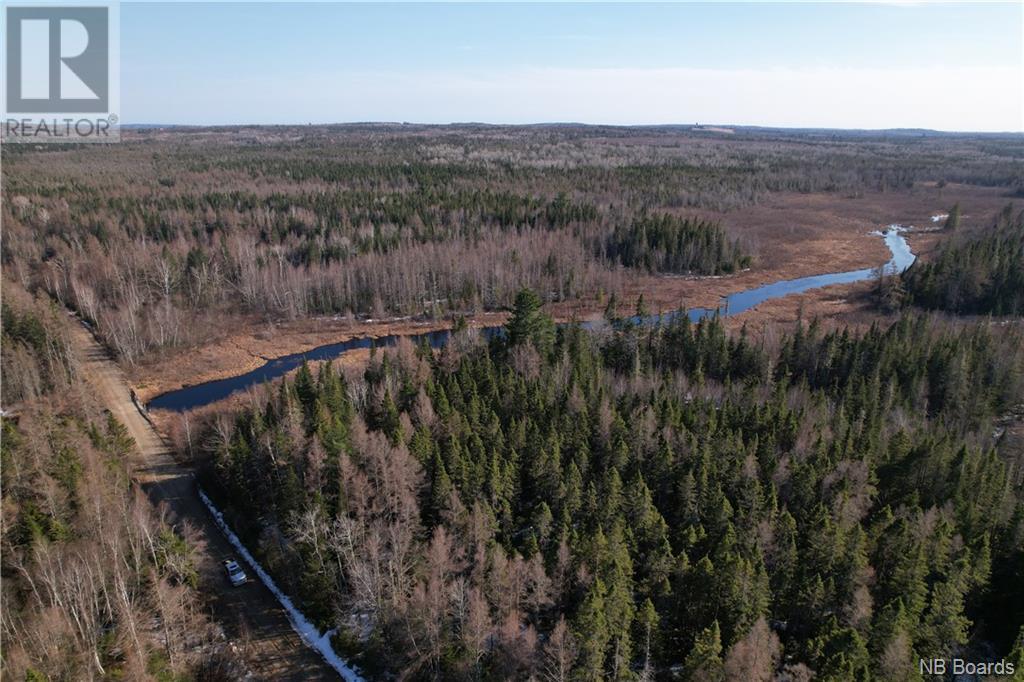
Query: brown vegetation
x,y
96,582
628,501
173,240
797,235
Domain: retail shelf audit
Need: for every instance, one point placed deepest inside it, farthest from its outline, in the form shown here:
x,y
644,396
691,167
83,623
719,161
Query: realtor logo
x,y
58,60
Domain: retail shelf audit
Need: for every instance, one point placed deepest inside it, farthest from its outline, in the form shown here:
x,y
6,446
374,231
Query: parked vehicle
x,y
235,573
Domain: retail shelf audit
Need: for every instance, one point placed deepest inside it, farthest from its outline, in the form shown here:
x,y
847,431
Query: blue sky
x,y
866,65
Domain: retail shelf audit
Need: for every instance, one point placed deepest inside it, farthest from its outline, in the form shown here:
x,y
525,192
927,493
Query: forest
x,y
646,503
976,274
169,239
663,244
828,499
96,583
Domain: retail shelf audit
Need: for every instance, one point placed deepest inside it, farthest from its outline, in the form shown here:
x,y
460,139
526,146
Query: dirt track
x,y
250,615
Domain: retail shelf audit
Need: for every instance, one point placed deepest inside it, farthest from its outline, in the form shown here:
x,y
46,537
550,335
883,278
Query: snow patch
x,y
940,217
306,630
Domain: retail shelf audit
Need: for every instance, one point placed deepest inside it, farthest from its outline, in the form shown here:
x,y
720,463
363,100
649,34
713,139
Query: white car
x,y
235,573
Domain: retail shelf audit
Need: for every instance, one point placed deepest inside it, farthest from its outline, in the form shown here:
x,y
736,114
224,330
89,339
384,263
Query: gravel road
x,y
250,615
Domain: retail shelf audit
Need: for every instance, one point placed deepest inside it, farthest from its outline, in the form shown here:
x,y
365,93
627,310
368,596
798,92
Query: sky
x,y
944,66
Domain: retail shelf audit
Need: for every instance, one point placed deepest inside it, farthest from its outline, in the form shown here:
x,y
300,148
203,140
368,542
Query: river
x,y
191,397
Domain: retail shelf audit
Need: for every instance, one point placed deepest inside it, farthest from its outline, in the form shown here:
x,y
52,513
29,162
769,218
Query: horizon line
x,y
722,128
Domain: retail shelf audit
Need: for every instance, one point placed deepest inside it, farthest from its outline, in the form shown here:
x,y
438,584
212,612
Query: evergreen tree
x,y
591,633
953,219
529,323
704,662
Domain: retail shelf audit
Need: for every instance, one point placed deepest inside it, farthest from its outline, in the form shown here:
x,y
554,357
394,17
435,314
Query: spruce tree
x,y
591,632
704,662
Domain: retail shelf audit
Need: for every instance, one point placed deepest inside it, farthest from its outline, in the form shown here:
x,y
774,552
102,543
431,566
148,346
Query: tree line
x,y
977,274
668,244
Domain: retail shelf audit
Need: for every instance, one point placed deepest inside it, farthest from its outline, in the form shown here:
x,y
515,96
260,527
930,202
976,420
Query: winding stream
x,y
208,392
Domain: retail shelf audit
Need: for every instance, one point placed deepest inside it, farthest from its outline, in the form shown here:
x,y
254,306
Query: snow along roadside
x,y
306,630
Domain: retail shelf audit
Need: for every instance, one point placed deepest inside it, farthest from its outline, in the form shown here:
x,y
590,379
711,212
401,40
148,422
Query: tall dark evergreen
x,y
529,323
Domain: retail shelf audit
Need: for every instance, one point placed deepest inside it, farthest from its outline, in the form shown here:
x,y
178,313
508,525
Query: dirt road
x,y
251,616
